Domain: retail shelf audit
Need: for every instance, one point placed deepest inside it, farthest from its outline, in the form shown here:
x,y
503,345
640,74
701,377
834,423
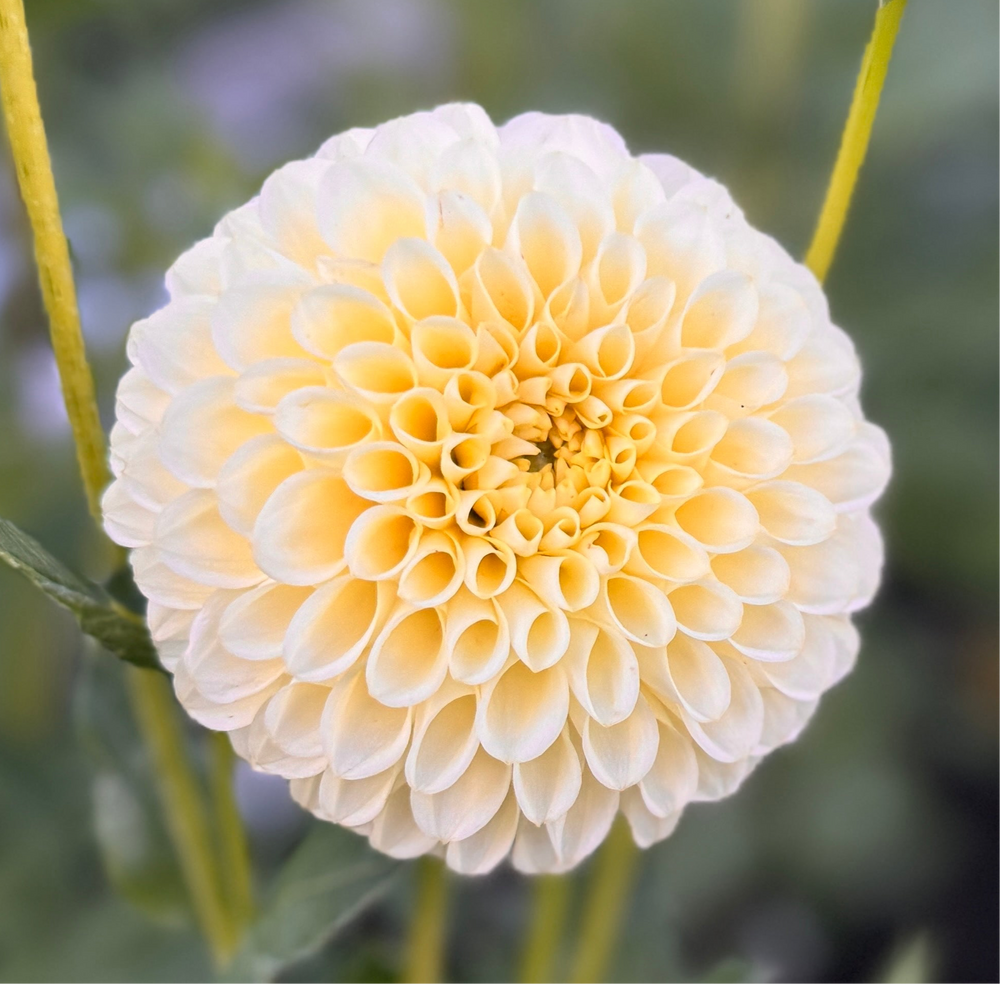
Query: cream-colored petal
x,y
721,311
603,672
419,280
408,659
255,623
249,476
467,805
195,542
681,244
164,586
547,786
758,575
647,828
539,634
521,712
476,637
667,553
380,542
326,423
482,851
327,319
534,853
620,755
546,239
722,520
379,372
434,573
444,743
252,320
581,829
126,521
299,536
174,347
288,209
793,513
395,832
819,426
490,567
334,626
361,736
261,388
706,609
353,802
365,205
772,633
735,734
639,610
202,427
672,779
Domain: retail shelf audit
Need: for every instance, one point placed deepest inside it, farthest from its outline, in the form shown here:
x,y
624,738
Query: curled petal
x,y
419,280
482,851
362,736
395,832
334,626
547,786
444,742
326,423
521,712
299,536
603,672
195,542
476,637
620,755
408,660
466,806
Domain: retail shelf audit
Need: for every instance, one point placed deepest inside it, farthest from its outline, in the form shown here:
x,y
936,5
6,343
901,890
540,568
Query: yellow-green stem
x,y
607,902
425,945
34,177
854,141
545,931
233,849
150,693
186,819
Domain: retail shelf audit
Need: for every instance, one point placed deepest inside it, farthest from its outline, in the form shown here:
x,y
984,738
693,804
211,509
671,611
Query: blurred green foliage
x,y
879,826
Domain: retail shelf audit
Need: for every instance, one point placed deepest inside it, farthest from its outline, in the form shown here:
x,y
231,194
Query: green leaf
x,y
116,628
128,824
331,878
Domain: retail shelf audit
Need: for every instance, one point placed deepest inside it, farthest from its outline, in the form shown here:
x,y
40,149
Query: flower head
x,y
484,482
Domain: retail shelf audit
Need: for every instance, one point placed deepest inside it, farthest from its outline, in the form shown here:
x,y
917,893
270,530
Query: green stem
x,y
150,693
182,802
233,849
425,945
548,919
34,177
854,141
606,904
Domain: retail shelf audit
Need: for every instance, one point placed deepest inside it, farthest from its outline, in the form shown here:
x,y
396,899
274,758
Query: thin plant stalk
x,y
425,947
34,177
150,693
854,141
234,852
545,933
606,905
156,710
610,885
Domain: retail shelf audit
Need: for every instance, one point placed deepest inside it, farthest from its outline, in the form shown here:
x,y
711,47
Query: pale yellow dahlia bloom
x,y
484,482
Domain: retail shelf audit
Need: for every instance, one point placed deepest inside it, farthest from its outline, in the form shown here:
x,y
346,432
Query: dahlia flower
x,y
484,482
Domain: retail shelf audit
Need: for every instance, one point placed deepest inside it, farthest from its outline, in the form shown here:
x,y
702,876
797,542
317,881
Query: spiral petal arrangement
x,y
484,482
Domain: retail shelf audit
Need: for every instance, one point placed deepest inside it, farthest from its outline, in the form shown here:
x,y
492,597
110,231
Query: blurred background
x,y
873,839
